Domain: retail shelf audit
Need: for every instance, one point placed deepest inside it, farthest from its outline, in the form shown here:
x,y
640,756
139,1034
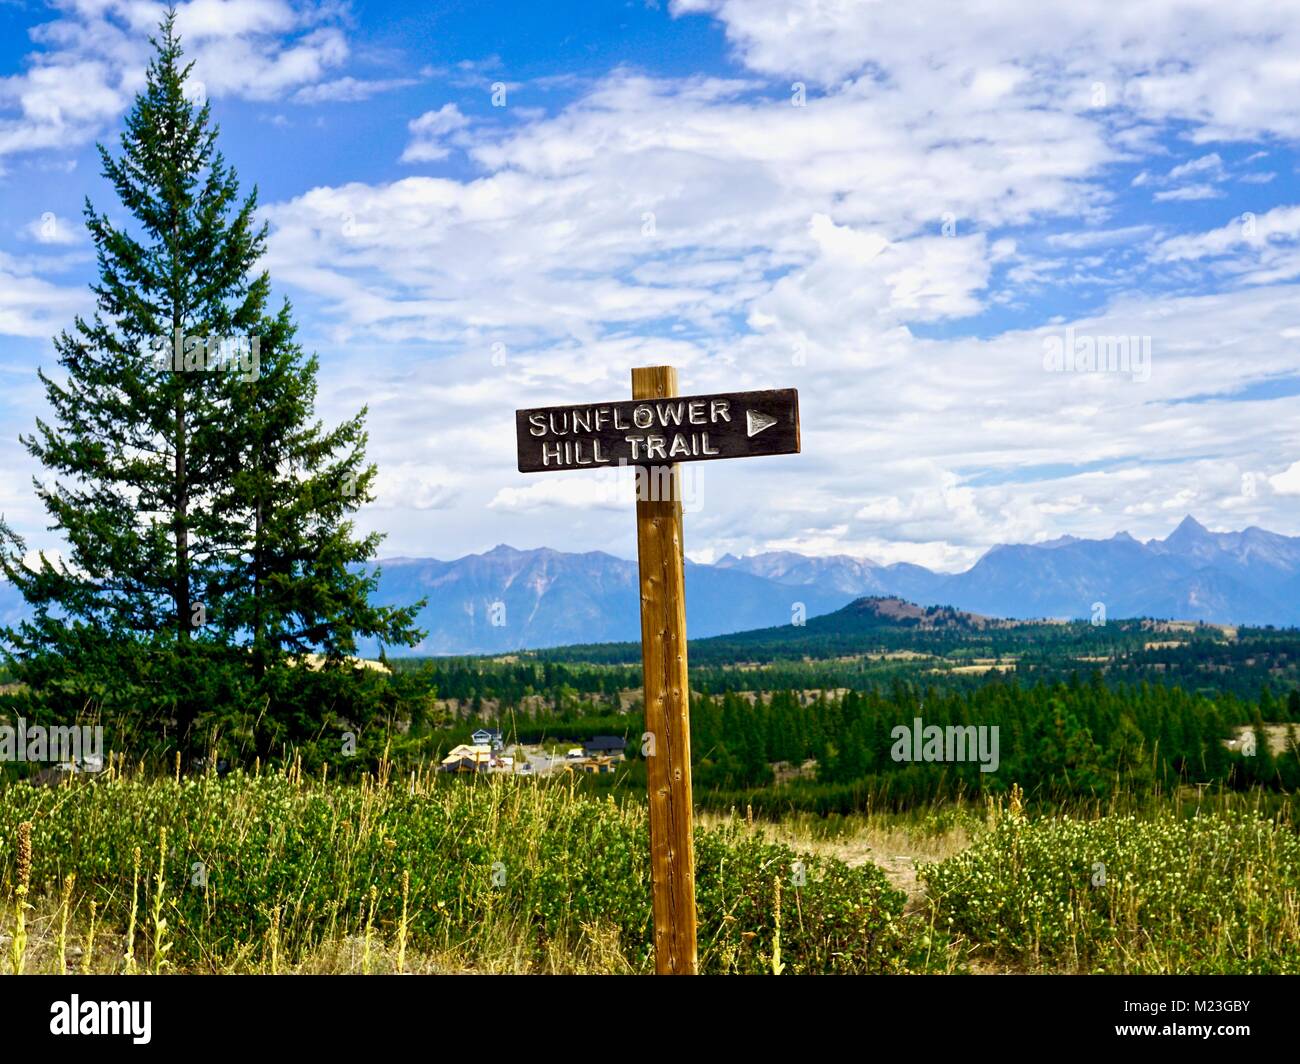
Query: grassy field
x,y
278,873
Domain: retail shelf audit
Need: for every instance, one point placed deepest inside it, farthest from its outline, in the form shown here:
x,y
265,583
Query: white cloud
x,y
1288,481
1280,225
33,307
205,19
90,61
587,216
1227,70
259,68
1196,179
1097,238
349,90
415,487
1206,166
1251,249
1187,193
594,490
428,132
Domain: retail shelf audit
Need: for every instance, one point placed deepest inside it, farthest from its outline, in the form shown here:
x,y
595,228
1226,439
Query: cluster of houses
x,y
598,756
485,752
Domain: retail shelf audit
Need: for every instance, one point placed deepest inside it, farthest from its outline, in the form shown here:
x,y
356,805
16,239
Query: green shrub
x,y
1215,892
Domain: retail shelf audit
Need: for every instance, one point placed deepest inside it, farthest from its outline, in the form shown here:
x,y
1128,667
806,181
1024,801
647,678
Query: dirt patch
x,y
894,847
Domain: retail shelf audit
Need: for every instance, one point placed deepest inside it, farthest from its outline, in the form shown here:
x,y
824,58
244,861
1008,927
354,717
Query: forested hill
x,y
887,624
874,639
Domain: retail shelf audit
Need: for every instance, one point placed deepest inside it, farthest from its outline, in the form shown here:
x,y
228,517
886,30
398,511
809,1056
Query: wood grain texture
x,y
667,714
691,428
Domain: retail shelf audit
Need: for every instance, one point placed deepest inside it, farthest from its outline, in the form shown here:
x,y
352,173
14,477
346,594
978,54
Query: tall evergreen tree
x,y
206,512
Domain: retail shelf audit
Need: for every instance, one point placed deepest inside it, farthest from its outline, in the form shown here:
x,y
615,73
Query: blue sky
x,y
892,207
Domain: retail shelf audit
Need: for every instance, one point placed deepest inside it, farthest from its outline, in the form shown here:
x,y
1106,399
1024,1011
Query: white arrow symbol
x,y
758,422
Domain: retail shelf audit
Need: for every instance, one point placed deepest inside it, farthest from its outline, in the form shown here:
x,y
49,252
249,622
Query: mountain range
x,y
507,599
1247,577
543,597
551,598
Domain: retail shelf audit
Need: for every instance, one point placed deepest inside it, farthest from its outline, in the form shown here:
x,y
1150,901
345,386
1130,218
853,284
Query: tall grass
x,y
267,872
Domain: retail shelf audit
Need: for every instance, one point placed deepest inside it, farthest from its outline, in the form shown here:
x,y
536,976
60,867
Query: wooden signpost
x,y
655,431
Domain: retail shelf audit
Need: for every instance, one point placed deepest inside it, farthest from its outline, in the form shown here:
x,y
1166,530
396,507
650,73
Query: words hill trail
x,y
657,426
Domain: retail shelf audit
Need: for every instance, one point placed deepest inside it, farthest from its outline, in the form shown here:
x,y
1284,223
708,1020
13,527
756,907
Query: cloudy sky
x,y
903,209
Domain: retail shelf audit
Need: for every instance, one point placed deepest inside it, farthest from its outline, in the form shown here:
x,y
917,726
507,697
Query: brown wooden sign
x,y
659,428
688,428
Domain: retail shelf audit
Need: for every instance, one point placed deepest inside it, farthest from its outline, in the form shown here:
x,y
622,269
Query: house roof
x,y
464,764
606,742
467,752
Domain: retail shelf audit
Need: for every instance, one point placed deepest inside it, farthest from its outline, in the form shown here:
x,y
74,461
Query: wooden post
x,y
667,693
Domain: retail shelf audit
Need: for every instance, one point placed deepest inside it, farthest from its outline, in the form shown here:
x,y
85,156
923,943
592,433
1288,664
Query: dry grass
x,y
501,951
892,842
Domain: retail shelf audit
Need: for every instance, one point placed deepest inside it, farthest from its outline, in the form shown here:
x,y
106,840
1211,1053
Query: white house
x,y
486,737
